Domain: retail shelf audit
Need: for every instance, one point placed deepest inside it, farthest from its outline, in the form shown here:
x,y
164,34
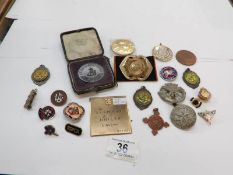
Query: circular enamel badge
x,y
74,111
183,116
123,47
168,73
191,78
40,75
46,113
162,53
58,98
91,72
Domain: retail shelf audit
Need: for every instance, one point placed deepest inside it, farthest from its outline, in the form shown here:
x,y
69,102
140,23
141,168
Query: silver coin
x,y
183,116
162,53
91,72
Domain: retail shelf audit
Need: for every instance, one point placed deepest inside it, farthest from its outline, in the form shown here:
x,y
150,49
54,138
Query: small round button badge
x,y
58,98
46,113
168,73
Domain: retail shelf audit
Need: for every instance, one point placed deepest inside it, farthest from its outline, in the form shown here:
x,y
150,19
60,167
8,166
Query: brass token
x,y
186,57
136,68
162,53
142,98
40,75
123,47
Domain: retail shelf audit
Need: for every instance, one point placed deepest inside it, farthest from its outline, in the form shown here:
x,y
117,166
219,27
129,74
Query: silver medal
x,y
183,116
91,72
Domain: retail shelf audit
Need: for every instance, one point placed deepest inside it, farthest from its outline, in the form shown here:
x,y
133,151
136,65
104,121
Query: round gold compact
x,y
123,47
136,68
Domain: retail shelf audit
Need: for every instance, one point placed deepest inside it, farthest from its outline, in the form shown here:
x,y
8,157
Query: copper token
x,y
155,122
58,98
186,57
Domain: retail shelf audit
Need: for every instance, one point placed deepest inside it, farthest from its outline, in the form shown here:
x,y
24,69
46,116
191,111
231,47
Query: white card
x,y
123,149
119,101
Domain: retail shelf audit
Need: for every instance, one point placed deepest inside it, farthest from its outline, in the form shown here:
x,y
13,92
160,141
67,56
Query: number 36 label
x,y
122,149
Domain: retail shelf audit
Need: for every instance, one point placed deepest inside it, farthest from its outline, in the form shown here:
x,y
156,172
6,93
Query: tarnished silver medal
x,y
91,72
183,116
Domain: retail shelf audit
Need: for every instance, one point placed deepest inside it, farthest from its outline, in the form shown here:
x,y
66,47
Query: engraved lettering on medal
x,y
91,72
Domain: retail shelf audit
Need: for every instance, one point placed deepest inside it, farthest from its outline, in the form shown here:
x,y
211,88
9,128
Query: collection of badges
x,y
182,116
133,68
58,98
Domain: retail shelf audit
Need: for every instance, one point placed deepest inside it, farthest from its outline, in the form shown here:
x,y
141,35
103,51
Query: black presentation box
x,y
88,68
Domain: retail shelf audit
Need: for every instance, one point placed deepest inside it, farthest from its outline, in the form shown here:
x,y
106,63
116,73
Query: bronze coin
x,y
58,98
186,57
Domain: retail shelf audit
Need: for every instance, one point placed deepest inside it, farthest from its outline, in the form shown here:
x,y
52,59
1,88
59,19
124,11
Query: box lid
x,y
81,43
